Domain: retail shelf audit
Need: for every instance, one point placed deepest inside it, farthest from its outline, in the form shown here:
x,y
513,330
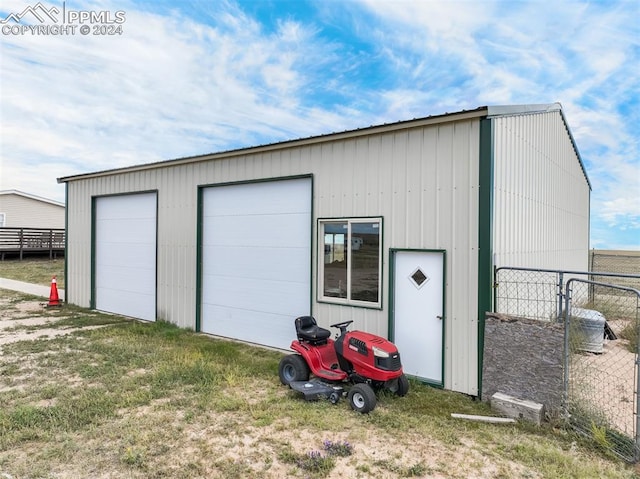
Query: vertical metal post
x,y
567,296
560,294
495,289
21,242
636,455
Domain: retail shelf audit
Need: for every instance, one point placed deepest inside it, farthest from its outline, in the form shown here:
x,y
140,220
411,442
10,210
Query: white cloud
x,y
169,86
584,55
205,76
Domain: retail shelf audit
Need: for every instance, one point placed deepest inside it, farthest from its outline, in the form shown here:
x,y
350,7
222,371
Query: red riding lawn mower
x,y
364,361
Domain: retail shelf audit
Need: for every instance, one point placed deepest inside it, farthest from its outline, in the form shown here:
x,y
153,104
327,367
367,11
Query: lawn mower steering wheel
x,y
342,326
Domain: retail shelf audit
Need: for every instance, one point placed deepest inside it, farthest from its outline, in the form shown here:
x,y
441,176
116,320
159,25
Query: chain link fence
x,y
624,262
531,293
600,321
601,376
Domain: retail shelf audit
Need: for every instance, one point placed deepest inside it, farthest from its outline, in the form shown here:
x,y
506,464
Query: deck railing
x,y
31,240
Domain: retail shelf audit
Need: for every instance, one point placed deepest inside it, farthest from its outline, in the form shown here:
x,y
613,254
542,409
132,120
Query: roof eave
x,y
371,130
32,197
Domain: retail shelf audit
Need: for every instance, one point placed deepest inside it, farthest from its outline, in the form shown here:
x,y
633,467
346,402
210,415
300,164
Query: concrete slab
x,y
518,408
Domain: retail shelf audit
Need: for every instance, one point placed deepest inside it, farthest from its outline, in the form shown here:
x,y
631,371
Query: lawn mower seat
x,y
308,330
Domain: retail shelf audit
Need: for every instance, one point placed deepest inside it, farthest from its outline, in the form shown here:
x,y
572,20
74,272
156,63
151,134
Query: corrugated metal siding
x,y
422,181
23,212
541,196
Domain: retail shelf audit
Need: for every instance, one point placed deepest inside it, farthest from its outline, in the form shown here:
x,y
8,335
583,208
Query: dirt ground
x,y
218,442
605,382
25,321
14,330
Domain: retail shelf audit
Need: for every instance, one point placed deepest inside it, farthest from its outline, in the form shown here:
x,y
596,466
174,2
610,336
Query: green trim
x,y
199,259
312,244
485,235
199,235
391,329
391,323
92,296
155,287
259,180
66,242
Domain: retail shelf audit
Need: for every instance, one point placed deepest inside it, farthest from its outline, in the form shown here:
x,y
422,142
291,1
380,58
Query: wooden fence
x,y
21,241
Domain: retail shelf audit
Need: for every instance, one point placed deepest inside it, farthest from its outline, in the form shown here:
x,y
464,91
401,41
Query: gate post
x,y
636,455
560,294
565,393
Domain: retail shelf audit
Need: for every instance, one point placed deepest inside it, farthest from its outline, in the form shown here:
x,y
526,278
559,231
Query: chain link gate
x,y
601,345
601,364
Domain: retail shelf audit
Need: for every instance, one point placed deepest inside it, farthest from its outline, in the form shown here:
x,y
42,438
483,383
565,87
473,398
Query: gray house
x,y
397,227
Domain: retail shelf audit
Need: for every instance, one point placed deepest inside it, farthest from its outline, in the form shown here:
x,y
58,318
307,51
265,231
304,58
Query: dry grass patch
x,y
36,270
140,400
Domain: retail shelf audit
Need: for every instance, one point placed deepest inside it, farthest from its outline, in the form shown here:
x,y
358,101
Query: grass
x,y
630,333
36,271
138,400
148,399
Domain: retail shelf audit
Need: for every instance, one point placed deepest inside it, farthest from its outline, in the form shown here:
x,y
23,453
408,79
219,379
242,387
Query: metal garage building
x,y
397,227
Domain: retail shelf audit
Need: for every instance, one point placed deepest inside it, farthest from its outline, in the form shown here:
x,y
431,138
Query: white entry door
x,y
418,313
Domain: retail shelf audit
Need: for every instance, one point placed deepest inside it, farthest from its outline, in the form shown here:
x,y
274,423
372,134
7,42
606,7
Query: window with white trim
x,y
350,263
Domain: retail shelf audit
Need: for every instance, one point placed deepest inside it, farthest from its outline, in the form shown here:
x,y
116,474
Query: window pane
x,y
335,260
365,258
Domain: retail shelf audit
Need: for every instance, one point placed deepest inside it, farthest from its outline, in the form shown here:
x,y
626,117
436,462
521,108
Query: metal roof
x,y
374,129
480,112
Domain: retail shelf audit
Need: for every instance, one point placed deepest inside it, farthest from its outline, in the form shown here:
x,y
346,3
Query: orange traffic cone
x,y
54,299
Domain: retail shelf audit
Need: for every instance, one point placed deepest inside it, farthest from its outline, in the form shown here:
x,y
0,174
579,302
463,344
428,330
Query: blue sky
x,y
194,77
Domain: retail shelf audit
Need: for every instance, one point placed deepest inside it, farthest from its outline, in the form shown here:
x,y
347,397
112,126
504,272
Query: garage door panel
x,y
289,299
245,326
258,262
129,303
110,278
128,231
132,256
120,207
256,244
281,231
259,198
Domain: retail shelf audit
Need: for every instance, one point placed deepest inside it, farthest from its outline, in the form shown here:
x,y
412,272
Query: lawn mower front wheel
x,y
402,387
362,398
293,368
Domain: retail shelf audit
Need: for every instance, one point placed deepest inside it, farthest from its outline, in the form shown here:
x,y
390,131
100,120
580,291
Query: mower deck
x,y
314,389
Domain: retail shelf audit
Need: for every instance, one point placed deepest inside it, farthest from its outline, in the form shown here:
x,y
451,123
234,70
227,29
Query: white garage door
x,y
256,260
125,255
